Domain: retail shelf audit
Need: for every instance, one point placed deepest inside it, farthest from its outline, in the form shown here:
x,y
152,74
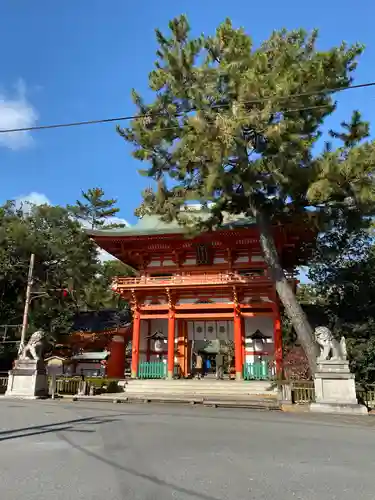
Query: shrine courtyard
x,y
92,451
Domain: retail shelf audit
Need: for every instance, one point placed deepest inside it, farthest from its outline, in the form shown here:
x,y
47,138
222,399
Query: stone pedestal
x,y
335,389
28,379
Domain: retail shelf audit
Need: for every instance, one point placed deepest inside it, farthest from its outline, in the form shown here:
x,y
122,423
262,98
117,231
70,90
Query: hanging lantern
x,y
258,345
159,345
258,341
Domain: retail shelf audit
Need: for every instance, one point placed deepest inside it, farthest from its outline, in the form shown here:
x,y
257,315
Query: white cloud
x,y
104,256
116,220
16,112
110,220
33,198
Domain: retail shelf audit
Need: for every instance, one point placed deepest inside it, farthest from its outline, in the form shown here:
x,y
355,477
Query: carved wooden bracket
x,y
134,300
170,298
144,259
230,256
237,309
179,257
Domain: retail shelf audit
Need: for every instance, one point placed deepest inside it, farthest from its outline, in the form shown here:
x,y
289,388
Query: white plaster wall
x,y
184,301
219,260
210,330
222,300
155,263
257,258
249,358
168,263
189,262
241,259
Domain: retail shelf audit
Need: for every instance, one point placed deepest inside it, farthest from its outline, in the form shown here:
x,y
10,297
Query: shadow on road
x,y
68,425
137,473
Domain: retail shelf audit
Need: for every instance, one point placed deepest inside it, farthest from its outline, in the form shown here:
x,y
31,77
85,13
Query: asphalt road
x,y
104,451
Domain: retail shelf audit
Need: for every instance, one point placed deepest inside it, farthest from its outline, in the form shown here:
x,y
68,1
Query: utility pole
x,y
27,303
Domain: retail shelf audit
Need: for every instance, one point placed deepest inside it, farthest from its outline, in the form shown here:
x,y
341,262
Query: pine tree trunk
x,y
292,308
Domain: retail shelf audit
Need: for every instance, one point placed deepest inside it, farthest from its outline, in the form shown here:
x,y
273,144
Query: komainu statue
x,y
35,347
330,348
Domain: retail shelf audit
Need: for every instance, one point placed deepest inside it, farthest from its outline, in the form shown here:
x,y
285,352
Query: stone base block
x,y
346,409
335,389
27,380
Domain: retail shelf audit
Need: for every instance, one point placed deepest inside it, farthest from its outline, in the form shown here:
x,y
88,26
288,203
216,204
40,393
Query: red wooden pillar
x,y
278,343
238,344
135,343
243,340
148,352
116,360
171,335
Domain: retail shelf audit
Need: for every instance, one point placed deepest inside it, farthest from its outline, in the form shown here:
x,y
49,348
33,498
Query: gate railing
x,y
303,391
366,394
152,369
67,385
256,371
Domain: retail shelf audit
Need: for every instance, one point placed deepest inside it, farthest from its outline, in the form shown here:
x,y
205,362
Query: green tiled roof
x,y
153,225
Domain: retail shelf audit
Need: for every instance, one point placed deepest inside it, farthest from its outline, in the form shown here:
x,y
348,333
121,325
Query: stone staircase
x,y
256,394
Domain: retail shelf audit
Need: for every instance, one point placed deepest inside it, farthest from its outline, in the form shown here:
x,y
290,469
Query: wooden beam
x,y
201,315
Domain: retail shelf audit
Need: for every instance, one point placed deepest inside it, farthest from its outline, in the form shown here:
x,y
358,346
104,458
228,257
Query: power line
x,y
141,116
290,110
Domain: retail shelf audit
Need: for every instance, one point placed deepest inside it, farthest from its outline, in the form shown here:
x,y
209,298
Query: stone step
x,y
209,399
221,390
199,395
200,391
203,382
249,402
200,388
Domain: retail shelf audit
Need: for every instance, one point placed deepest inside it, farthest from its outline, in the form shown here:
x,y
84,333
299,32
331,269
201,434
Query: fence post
x,y
53,385
82,388
284,394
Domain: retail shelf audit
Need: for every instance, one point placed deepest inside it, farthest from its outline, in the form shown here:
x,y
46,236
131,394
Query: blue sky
x,y
70,61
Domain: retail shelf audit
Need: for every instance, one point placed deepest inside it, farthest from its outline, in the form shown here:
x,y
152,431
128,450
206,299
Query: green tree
x,y
94,209
113,268
65,262
343,274
98,294
237,126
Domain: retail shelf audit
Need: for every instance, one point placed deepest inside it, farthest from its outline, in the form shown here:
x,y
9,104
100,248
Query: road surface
x,y
102,451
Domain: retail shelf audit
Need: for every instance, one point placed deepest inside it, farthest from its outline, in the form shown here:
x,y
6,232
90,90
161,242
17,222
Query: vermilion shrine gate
x,y
201,293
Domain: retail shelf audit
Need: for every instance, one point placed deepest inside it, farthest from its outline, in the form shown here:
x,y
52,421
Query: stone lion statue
x,y
330,348
35,346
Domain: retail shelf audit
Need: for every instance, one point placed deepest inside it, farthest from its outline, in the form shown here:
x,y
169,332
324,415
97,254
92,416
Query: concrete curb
x,y
205,401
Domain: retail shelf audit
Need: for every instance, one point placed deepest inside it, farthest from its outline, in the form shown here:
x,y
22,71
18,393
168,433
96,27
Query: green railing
x,y
256,371
152,369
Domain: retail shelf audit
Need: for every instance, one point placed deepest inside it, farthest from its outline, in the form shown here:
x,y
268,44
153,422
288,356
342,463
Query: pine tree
x,y
95,209
237,125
